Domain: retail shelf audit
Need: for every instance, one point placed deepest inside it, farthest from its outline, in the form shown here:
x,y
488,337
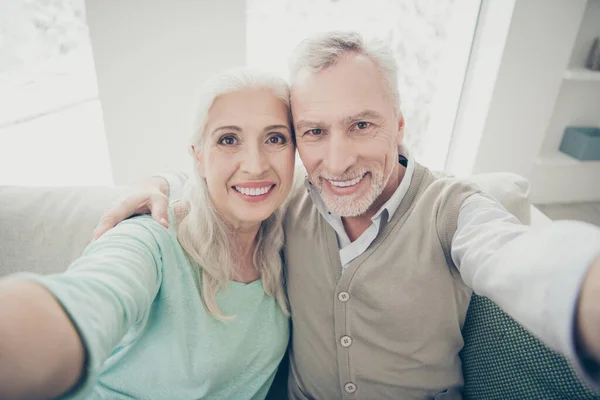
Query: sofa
x,y
43,229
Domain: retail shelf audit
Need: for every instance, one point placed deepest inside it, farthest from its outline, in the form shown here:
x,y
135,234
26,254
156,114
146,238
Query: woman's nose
x,y
254,161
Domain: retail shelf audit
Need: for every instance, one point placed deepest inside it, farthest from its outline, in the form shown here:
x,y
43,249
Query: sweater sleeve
x,y
533,273
109,291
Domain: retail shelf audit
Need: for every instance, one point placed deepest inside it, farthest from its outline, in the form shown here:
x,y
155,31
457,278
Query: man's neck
x,y
356,226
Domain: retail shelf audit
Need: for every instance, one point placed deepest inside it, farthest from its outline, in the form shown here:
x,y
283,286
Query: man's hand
x,y
149,197
588,315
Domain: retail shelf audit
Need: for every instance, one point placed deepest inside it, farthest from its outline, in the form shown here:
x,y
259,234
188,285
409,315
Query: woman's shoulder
x,y
158,240
145,229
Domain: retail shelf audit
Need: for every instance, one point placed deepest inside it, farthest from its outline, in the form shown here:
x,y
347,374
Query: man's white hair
x,y
326,49
207,240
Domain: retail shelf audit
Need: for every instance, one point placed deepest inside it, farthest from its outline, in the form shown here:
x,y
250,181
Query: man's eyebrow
x,y
227,128
366,114
304,123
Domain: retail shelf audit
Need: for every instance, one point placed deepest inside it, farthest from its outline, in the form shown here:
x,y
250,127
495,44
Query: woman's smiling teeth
x,y
351,182
253,191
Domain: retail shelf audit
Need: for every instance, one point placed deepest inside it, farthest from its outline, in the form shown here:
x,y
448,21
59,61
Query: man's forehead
x,y
356,77
351,63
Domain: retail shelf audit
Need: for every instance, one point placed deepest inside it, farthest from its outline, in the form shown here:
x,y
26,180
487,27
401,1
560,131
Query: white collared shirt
x,y
350,250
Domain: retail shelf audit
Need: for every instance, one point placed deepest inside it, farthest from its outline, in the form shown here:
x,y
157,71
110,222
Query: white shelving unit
x,y
558,177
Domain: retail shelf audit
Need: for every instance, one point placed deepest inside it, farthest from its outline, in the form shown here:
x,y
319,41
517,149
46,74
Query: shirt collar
x,y
390,206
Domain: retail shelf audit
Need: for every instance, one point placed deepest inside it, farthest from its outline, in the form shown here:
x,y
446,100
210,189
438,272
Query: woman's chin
x,y
254,212
249,217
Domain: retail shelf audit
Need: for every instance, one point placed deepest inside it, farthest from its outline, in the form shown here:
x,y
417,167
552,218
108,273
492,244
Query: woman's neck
x,y
244,240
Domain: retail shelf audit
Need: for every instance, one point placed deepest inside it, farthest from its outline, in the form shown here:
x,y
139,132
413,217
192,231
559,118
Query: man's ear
x,y
199,161
400,128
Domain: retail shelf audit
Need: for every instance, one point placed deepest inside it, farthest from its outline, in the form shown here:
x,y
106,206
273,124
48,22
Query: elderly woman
x,y
193,311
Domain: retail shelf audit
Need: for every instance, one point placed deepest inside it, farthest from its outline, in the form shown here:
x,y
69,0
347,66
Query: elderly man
x,y
382,255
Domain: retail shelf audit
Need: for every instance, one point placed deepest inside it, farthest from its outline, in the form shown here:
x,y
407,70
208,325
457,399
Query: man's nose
x,y
254,161
341,154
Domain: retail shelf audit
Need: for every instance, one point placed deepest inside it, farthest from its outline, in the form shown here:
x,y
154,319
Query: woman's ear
x,y
199,161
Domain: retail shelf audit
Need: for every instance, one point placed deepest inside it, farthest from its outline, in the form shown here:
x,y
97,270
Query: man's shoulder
x,y
299,193
299,201
439,183
300,208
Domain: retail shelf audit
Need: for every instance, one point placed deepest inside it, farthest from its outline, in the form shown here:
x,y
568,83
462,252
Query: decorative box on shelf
x,y
581,142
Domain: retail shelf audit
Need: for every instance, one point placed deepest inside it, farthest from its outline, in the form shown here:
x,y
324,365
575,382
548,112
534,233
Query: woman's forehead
x,y
248,107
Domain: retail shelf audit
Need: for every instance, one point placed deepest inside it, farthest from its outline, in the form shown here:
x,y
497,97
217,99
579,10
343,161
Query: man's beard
x,y
354,204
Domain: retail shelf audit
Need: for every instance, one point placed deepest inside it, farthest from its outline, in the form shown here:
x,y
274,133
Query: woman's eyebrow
x,y
276,127
227,128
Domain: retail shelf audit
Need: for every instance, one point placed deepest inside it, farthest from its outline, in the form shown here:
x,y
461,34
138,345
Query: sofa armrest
x,y
538,218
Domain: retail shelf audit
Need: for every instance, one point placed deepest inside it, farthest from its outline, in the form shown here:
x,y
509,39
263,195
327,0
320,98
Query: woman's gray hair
x,y
326,49
205,237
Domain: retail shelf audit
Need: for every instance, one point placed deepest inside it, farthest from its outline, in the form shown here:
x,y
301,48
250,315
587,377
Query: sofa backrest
x,y
45,229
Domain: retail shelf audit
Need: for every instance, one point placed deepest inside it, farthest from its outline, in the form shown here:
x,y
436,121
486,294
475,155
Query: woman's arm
x,y
50,324
30,319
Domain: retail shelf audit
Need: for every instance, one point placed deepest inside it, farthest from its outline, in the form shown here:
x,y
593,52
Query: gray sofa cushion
x,y
501,360
44,229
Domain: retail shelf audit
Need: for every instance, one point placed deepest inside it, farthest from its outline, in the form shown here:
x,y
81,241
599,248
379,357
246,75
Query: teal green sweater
x,y
135,301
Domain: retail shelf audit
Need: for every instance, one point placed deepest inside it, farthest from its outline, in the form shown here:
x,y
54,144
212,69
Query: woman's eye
x,y
363,125
277,139
227,140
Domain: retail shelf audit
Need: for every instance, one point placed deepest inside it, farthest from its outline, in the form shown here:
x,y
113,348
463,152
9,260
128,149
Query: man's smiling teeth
x,y
351,182
253,191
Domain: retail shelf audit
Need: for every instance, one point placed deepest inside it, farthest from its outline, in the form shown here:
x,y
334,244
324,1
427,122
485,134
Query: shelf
x,y
581,74
557,158
562,159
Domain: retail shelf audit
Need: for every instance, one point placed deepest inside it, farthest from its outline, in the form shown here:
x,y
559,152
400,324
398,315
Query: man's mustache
x,y
346,176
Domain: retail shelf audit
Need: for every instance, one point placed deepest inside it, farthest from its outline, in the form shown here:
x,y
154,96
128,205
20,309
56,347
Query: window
x,y
51,130
431,39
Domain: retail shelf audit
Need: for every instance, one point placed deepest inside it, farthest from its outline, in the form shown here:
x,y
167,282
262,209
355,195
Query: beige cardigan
x,y
390,326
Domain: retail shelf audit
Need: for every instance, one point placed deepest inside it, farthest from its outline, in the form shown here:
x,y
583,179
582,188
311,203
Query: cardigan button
x,y
350,387
346,341
343,296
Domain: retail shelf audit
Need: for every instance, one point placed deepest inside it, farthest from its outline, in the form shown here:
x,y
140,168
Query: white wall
x,y
536,53
151,56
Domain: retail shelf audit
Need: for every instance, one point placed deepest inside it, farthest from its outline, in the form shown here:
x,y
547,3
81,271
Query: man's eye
x,y
227,140
363,125
314,132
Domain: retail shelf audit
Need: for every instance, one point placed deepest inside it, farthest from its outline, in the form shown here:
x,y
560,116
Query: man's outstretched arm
x,y
547,278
